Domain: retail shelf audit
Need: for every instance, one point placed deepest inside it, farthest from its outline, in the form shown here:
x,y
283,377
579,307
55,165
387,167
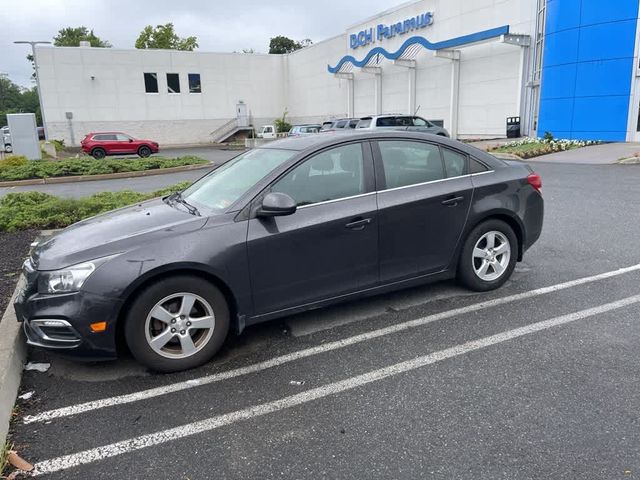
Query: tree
x,y
281,44
14,99
72,36
164,36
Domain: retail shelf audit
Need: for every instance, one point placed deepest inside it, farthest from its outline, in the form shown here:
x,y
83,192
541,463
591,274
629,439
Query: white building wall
x,y
314,95
115,98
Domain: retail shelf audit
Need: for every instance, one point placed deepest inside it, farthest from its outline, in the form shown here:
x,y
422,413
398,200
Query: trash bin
x,y
513,127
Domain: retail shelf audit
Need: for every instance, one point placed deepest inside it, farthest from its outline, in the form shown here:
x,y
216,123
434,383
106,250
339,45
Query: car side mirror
x,y
277,204
131,140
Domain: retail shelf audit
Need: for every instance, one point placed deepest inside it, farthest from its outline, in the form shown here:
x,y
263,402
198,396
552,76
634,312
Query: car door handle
x,y
358,224
452,202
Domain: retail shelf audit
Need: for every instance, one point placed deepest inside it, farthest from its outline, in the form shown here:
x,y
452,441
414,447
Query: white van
x,y
267,131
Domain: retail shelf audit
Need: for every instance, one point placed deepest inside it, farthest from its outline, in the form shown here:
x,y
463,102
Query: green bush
x,y
13,161
26,210
90,166
58,144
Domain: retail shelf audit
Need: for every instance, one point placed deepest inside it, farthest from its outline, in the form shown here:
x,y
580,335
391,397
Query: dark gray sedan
x,y
297,224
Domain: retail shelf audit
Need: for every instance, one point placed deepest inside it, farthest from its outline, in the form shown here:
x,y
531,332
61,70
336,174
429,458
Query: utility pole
x,y
35,64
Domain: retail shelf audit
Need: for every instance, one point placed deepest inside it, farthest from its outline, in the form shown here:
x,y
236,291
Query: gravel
x,y
14,247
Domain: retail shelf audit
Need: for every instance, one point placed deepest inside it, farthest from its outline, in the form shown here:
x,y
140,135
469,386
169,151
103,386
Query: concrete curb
x,y
629,161
506,156
104,176
13,353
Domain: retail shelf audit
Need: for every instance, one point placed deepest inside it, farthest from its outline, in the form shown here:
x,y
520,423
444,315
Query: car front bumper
x,y
62,323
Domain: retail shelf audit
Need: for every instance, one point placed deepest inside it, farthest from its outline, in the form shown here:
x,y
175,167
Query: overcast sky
x,y
220,25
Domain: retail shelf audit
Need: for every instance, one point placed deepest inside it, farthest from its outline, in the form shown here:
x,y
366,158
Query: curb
x,y
105,176
13,352
506,156
629,161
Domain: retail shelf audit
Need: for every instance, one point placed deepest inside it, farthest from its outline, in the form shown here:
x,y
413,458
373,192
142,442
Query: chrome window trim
x,y
393,189
336,200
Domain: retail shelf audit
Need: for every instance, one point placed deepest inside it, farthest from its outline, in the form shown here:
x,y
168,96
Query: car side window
x,y
122,138
98,138
330,175
404,121
476,167
419,122
455,163
408,163
341,124
386,122
110,137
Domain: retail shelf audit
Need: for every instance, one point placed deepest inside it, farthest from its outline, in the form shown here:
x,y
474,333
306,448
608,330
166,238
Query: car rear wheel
x,y
488,256
8,148
177,323
98,153
144,151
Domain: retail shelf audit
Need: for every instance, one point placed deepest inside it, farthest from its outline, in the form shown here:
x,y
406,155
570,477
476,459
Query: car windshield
x,y
222,187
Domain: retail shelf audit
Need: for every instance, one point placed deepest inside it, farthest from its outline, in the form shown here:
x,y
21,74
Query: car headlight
x,y
68,279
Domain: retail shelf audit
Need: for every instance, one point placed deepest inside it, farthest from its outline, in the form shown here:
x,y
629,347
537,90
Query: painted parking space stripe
x,y
280,360
212,423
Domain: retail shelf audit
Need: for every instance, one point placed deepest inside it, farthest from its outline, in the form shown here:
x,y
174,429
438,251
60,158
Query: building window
x,y
173,83
194,83
151,82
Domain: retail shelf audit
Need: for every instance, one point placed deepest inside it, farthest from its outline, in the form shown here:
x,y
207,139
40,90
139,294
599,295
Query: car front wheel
x,y
144,152
488,256
177,323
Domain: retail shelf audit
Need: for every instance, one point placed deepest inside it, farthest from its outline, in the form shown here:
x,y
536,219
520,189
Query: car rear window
x,y
353,123
364,123
476,167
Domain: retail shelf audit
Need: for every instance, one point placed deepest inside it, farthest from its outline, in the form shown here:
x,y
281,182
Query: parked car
x,y
101,144
401,122
340,124
291,226
307,129
5,137
267,131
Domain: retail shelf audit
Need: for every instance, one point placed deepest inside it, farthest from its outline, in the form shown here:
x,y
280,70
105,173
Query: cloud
x,y
220,26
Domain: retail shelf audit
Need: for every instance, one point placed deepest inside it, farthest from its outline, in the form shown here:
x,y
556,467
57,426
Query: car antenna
x,y
415,113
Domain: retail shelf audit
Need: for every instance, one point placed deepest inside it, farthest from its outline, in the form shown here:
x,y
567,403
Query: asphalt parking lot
x,y
539,379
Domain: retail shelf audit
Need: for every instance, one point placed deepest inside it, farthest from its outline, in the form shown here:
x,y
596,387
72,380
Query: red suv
x,y
101,144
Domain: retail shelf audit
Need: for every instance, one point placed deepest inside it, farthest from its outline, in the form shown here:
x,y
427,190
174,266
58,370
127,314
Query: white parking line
x,y
144,441
276,361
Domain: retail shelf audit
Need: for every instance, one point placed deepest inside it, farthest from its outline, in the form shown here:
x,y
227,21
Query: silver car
x,y
5,139
401,122
307,129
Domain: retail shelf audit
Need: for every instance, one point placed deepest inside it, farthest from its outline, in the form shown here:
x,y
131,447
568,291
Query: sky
x,y
219,25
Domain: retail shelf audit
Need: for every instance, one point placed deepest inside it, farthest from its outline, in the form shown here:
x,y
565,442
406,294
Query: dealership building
x,y
569,67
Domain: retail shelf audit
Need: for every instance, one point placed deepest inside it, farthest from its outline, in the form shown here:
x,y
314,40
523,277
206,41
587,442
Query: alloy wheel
x,y
491,256
180,325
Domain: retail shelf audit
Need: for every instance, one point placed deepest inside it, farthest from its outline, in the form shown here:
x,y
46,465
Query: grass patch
x,y
37,210
4,453
534,147
90,166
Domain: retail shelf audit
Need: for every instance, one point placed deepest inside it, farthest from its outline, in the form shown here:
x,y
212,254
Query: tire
x,y
144,151
173,331
485,269
8,148
98,153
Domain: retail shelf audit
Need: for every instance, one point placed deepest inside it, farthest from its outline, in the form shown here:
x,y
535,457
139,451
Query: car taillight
x,y
535,181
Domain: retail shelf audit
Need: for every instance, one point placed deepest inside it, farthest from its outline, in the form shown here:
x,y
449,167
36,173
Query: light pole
x,y
35,64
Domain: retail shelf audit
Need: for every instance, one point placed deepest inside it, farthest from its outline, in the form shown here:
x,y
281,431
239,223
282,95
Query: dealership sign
x,y
384,31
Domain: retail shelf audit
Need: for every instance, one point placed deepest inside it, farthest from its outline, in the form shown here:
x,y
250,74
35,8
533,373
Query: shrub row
x,y
26,210
19,168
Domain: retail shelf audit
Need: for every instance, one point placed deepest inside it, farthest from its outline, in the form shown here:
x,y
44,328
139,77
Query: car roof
x,y
321,140
103,133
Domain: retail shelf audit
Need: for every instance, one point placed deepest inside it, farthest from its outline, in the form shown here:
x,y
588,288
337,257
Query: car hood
x,y
114,232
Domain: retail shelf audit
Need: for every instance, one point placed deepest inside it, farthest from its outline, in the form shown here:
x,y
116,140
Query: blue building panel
x,y
602,78
607,40
561,48
587,69
562,15
592,13
559,81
